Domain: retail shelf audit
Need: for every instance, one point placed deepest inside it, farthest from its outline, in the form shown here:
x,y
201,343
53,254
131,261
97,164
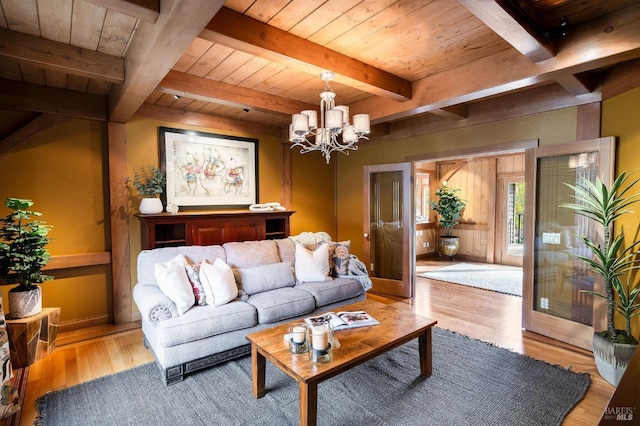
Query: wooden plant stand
x,y
32,338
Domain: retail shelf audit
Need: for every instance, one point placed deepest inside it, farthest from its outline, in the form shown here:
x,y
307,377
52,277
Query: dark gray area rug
x,y
473,383
503,279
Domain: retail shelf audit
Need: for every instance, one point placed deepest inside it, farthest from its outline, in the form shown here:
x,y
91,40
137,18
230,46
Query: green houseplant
x,y
149,182
616,263
22,257
449,207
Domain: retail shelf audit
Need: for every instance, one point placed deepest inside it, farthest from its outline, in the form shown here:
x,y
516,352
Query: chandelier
x,y
334,132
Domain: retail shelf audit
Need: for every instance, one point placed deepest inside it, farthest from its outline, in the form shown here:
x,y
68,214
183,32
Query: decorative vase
x,y
151,206
24,304
448,246
611,358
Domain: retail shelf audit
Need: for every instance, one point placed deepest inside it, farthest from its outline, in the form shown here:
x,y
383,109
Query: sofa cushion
x,y
281,303
327,292
286,250
205,321
265,278
248,254
194,254
174,283
312,265
218,282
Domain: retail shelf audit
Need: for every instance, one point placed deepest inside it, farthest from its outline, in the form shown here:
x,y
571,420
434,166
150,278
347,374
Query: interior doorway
x,y
510,218
491,228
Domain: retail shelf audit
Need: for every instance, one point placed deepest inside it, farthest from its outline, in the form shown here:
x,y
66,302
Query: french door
x,y
389,220
510,220
553,301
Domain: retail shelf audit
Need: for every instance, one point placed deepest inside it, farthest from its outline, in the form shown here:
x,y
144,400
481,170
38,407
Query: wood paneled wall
x,y
477,181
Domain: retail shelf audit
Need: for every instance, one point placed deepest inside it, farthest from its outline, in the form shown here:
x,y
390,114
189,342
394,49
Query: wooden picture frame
x,y
207,169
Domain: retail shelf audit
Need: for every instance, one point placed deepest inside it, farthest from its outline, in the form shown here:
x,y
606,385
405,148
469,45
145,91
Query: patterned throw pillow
x,y
193,273
340,257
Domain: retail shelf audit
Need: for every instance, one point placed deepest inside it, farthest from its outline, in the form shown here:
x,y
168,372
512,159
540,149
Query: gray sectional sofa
x,y
205,335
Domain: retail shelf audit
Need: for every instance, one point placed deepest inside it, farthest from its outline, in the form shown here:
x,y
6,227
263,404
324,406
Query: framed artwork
x,y
206,169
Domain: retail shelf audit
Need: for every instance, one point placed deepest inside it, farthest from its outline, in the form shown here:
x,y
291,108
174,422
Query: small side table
x,y
34,337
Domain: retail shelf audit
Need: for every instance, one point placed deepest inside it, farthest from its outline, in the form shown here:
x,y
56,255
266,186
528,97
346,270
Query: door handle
x,y
366,235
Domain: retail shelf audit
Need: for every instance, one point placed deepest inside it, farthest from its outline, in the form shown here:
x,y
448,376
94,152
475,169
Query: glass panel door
x,y
389,222
510,229
553,302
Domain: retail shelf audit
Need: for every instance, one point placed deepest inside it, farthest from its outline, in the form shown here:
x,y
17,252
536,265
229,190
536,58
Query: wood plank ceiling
x,y
259,61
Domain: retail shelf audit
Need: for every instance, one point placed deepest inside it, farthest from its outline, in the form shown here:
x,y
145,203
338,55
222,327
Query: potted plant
x,y
22,257
617,264
449,207
149,182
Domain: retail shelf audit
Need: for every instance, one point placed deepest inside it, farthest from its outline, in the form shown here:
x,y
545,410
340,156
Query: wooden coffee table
x,y
397,327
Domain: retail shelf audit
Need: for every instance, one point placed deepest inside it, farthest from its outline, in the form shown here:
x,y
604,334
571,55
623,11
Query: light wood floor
x,y
485,315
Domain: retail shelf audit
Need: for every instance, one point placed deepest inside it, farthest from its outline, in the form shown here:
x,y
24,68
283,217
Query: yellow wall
x,y
63,171
313,196
620,118
550,128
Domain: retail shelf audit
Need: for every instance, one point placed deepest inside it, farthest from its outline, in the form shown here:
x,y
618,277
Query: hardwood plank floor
x,y
488,316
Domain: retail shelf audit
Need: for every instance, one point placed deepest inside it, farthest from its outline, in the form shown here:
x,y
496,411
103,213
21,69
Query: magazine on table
x,y
342,320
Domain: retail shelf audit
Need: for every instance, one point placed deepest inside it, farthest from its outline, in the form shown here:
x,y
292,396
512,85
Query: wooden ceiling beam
x,y
38,124
536,100
454,112
513,30
191,86
243,33
155,49
621,78
55,56
597,44
145,10
36,98
576,84
161,113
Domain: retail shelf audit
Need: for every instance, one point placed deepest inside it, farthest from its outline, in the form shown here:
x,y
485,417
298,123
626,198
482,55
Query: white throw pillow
x,y
312,265
174,283
218,282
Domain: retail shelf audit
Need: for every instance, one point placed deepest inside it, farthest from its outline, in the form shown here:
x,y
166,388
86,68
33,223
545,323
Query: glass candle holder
x,y
320,338
298,342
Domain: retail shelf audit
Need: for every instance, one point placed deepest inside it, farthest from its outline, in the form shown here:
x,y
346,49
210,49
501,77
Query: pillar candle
x,y
320,340
298,334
